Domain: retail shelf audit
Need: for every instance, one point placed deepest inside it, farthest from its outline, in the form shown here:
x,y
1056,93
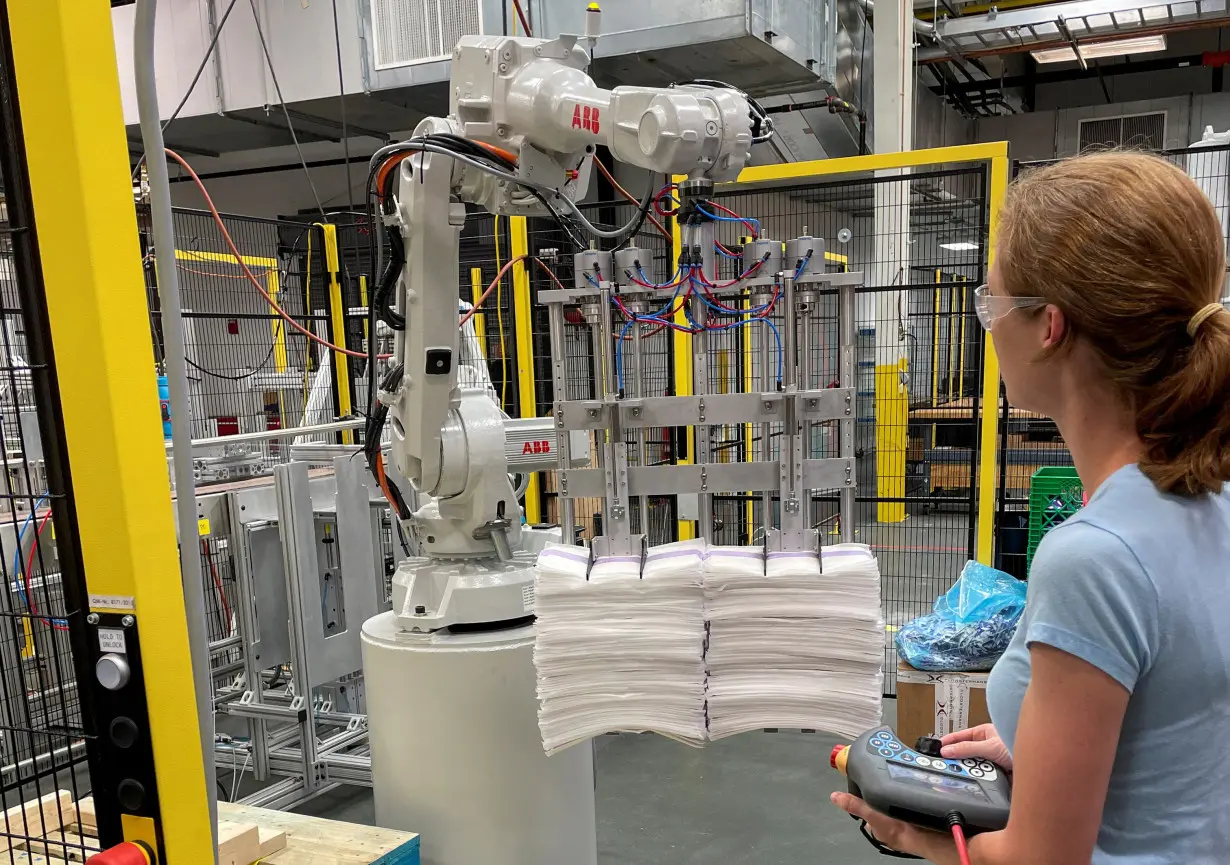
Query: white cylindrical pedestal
x,y
457,756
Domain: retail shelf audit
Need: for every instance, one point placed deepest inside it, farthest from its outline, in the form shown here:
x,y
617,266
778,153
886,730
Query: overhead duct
x,y
403,51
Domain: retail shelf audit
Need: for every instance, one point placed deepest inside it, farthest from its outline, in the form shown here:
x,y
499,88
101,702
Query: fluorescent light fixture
x,y
959,246
1094,50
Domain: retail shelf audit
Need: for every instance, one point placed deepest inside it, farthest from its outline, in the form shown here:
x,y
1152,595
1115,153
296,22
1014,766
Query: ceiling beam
x,y
352,130
1064,76
936,55
270,123
1034,16
135,146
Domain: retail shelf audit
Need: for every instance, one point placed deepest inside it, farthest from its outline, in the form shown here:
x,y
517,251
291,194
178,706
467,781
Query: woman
x,y
1112,705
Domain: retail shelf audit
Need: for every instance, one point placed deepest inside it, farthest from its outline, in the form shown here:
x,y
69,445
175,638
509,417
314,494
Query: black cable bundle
x,y
641,215
371,442
382,299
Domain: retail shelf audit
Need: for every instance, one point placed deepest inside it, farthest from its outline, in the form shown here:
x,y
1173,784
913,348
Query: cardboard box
x,y
930,704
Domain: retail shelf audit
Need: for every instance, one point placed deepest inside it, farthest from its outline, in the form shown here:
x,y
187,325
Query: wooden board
x,y
35,818
239,843
62,846
314,841
85,814
962,408
271,841
246,835
955,477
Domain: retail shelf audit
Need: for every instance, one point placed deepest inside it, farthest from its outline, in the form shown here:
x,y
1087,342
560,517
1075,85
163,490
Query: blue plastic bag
x,y
970,625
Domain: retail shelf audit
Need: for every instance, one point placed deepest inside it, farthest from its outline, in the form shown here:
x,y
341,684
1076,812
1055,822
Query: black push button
x,y
439,361
124,732
928,745
131,794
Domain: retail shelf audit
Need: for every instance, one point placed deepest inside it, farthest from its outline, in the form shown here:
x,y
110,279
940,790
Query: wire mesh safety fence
x,y
920,243
1029,441
250,370
44,728
644,355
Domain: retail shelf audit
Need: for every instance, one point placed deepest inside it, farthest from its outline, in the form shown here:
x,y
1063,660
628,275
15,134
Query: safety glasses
x,y
992,307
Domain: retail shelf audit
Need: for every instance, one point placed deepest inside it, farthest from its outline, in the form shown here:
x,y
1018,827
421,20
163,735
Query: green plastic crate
x,y
1055,493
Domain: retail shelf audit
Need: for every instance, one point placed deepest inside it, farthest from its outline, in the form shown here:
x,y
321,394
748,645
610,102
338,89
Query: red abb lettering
x,y
585,117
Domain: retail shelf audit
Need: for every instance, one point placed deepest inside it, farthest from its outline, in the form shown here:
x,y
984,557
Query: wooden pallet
x,y
67,832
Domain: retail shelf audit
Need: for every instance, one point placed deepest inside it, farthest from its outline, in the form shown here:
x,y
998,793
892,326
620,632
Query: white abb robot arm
x,y
525,119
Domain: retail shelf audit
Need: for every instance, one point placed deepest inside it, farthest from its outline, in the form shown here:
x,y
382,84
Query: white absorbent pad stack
x,y
621,650
795,641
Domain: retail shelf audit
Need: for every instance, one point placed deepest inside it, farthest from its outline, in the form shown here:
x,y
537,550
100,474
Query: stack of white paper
x,y
795,642
621,649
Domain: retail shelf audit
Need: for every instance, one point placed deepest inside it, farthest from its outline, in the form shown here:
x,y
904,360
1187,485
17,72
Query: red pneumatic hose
x,y
955,821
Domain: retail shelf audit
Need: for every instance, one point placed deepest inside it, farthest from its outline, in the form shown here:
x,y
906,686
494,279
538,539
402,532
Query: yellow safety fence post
x,y
989,442
337,319
77,159
681,348
522,313
892,425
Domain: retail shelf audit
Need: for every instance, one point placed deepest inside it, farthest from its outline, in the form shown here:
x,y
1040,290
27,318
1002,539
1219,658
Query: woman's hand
x,y
900,836
981,742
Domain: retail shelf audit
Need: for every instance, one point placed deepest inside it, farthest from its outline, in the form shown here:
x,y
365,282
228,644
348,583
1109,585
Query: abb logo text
x,y
585,117
539,447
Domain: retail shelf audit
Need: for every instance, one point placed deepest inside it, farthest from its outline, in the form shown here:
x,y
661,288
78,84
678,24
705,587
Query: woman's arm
x,y
1065,750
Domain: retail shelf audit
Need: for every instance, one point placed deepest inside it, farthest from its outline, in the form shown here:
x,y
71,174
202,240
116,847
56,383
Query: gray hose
x,y
177,380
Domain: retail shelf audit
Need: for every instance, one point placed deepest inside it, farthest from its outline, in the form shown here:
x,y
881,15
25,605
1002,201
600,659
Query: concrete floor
x,y
755,799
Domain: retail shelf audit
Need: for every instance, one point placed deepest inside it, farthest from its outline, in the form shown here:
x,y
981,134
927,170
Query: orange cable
x,y
226,236
498,151
490,288
247,273
550,273
504,270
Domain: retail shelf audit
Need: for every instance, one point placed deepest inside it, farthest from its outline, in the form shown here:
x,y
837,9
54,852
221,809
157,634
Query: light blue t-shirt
x,y
1137,584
